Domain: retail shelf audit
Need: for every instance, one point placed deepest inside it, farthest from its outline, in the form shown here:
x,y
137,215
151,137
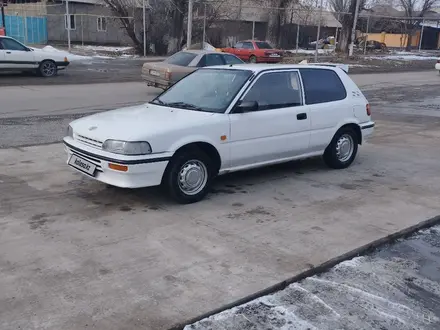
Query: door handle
x,y
8,52
301,116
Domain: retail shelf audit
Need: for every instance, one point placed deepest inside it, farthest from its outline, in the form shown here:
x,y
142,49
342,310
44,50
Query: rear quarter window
x,y
321,86
181,58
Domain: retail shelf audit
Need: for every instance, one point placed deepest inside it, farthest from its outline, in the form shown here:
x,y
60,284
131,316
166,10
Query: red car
x,y
255,51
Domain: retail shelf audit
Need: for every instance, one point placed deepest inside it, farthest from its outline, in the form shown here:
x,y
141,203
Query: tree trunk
x,y
344,39
176,31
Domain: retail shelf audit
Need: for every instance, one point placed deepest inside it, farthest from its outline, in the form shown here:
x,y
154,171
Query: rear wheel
x,y
342,151
188,176
253,59
47,68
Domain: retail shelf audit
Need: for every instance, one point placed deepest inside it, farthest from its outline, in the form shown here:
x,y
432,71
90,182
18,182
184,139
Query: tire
x,y
342,150
253,59
191,162
47,68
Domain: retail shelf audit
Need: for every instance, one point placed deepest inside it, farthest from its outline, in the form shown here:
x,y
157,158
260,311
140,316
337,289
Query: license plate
x,y
274,55
154,73
82,165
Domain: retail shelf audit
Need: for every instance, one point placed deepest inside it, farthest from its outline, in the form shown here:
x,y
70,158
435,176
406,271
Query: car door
x,y
2,56
279,129
327,103
248,50
17,56
239,51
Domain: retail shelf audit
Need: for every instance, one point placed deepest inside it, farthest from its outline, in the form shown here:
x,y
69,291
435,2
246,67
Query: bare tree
x,y
344,10
277,13
124,9
413,9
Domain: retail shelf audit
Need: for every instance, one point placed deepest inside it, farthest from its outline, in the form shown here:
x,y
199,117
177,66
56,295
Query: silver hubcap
x,y
344,148
192,178
48,69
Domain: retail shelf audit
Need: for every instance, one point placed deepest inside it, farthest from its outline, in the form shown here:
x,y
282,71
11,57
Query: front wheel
x,y
342,151
47,69
188,176
252,59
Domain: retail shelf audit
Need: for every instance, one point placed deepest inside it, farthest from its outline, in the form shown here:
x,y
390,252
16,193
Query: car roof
x,y
200,51
264,67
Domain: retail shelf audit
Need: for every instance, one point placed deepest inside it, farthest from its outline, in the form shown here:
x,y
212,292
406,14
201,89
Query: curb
x,y
367,248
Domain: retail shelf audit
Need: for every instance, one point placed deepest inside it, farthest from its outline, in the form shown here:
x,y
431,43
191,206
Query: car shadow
x,y
156,198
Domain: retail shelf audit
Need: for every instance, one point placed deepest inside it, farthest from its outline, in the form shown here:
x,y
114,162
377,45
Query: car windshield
x,y
210,90
181,58
263,45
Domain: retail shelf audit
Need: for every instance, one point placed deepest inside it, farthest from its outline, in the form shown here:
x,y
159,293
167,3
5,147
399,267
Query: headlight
x,y
127,148
69,131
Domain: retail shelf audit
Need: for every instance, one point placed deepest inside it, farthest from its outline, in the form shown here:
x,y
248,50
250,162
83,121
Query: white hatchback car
x,y
223,119
14,56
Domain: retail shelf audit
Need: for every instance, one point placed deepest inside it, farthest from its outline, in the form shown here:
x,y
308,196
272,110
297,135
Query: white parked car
x,y
437,66
223,119
14,56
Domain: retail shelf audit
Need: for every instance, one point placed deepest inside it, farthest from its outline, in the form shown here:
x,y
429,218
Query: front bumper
x,y
141,173
437,66
62,65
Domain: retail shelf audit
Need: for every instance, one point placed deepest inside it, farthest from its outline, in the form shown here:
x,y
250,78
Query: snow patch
x,y
71,57
403,58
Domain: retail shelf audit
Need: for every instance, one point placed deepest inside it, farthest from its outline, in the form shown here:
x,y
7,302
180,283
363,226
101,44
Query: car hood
x,y
137,123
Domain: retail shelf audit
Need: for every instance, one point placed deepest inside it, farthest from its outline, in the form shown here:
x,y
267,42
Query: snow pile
x,y
310,51
109,49
71,57
404,57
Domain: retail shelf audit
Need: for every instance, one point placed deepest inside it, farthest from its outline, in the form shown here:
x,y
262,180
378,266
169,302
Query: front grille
x,y
88,141
91,159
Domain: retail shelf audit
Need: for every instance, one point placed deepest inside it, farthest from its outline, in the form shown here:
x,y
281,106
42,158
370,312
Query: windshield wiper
x,y
158,101
184,105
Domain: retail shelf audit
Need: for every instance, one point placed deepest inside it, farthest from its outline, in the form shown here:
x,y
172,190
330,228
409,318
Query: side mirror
x,y
246,106
28,49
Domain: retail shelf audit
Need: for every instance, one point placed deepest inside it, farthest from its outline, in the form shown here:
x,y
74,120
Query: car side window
x,y
231,59
213,59
276,90
239,45
10,44
321,86
248,45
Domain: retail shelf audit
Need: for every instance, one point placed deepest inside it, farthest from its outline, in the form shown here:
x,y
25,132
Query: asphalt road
x,y
77,254
31,115
97,70
394,288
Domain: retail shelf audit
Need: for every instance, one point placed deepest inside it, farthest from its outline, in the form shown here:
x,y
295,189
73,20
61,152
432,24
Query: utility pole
x,y
353,31
68,23
366,37
144,15
190,21
253,30
319,32
421,36
204,28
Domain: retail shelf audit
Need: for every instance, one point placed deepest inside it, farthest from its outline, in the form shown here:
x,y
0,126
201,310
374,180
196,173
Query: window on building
x,y
70,22
102,23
